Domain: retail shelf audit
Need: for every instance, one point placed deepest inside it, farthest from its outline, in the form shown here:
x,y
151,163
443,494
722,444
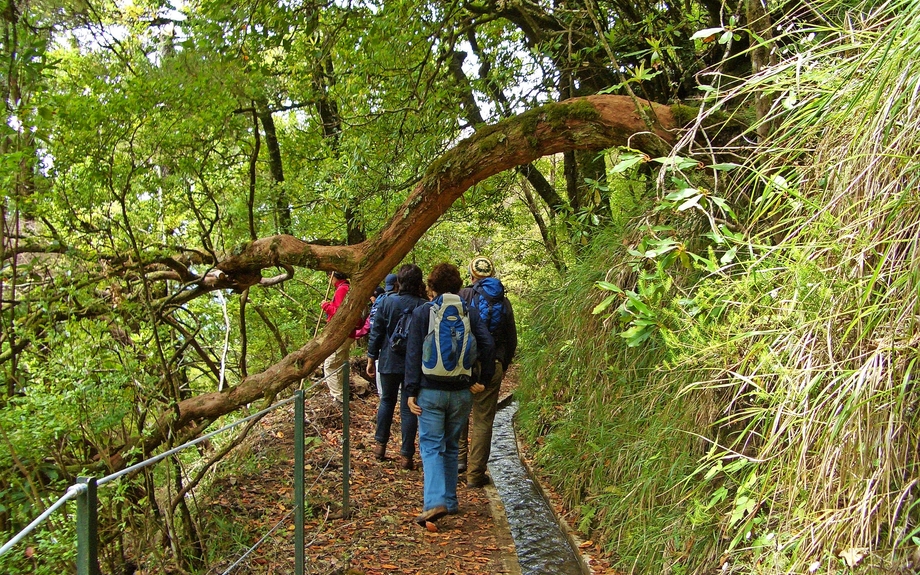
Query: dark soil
x,y
378,535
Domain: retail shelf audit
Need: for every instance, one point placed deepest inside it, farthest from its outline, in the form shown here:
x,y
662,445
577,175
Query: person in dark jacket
x,y
442,405
390,365
487,294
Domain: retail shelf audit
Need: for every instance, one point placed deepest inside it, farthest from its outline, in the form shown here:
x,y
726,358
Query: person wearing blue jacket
x,y
442,405
389,364
389,288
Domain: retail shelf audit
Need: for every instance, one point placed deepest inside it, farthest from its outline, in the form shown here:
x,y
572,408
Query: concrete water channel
x,y
540,542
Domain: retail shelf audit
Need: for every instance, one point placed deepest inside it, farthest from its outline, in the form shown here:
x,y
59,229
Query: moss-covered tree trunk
x,y
591,123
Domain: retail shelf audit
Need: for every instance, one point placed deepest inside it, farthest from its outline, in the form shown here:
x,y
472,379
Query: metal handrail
x,y
87,486
72,492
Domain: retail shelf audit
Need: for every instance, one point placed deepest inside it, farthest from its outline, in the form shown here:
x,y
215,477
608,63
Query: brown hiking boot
x,y
380,450
405,462
432,515
478,481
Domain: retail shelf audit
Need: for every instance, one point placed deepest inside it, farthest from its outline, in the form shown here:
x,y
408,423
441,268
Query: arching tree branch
x,y
590,123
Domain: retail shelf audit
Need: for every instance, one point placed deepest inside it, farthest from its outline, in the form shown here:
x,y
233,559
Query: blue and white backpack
x,y
449,350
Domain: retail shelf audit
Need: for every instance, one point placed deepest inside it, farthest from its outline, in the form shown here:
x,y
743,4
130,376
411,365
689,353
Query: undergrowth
x,y
755,411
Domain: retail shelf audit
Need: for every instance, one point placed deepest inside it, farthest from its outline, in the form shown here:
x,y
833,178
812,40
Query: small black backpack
x,y
401,332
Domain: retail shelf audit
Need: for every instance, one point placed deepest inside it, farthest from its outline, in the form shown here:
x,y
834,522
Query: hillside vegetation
x,y
727,380
718,338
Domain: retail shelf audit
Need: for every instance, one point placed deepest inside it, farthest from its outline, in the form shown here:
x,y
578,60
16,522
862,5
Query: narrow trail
x,y
379,536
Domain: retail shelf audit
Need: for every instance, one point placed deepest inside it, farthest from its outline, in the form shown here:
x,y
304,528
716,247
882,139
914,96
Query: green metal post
x,y
87,529
346,441
298,483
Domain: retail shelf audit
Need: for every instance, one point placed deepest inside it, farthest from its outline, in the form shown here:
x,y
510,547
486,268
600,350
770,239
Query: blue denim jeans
x,y
390,384
443,414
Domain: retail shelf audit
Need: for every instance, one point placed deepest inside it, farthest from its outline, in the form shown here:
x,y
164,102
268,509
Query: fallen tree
x,y
590,123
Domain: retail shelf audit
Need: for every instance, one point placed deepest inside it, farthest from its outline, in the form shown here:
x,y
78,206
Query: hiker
x,y
389,365
364,326
440,384
335,360
389,288
487,295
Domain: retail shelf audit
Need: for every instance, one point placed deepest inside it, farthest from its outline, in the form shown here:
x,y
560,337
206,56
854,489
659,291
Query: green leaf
x,y
718,496
638,305
636,335
604,304
729,256
677,162
713,471
736,465
627,161
682,194
725,167
706,33
693,202
609,287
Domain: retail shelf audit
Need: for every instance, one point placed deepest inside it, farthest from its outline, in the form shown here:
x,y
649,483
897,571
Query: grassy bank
x,y
754,411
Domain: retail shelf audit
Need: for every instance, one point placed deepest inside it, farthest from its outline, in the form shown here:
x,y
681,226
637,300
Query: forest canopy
x,y
177,174
161,155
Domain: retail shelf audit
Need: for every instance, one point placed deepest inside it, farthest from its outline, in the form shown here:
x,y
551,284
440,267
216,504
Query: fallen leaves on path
x,y
379,535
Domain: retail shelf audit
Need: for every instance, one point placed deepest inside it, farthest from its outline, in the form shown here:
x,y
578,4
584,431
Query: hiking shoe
x,y
405,462
477,482
432,515
380,450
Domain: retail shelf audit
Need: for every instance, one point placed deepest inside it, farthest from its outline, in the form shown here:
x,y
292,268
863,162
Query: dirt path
x,y
379,536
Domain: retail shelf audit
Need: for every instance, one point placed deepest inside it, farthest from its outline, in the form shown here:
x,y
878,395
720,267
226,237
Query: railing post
x,y
298,483
87,529
346,441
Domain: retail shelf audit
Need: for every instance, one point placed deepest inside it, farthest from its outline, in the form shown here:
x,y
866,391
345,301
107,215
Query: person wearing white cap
x,y
487,294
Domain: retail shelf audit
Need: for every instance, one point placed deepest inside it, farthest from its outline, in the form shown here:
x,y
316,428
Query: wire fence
x,y
85,490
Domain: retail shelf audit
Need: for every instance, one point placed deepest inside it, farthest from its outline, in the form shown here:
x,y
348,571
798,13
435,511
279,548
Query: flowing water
x,y
542,548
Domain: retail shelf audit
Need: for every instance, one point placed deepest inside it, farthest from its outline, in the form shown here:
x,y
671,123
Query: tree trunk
x,y
759,20
282,204
328,111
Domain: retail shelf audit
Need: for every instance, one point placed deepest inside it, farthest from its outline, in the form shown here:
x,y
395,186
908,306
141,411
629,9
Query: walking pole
x,y
346,442
320,317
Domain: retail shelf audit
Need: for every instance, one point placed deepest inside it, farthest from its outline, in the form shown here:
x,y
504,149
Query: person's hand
x,y
477,387
371,368
413,407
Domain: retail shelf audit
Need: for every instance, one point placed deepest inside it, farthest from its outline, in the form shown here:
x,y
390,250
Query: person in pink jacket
x,y
336,383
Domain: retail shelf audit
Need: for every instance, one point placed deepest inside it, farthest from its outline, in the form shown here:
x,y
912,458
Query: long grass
x,y
775,429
